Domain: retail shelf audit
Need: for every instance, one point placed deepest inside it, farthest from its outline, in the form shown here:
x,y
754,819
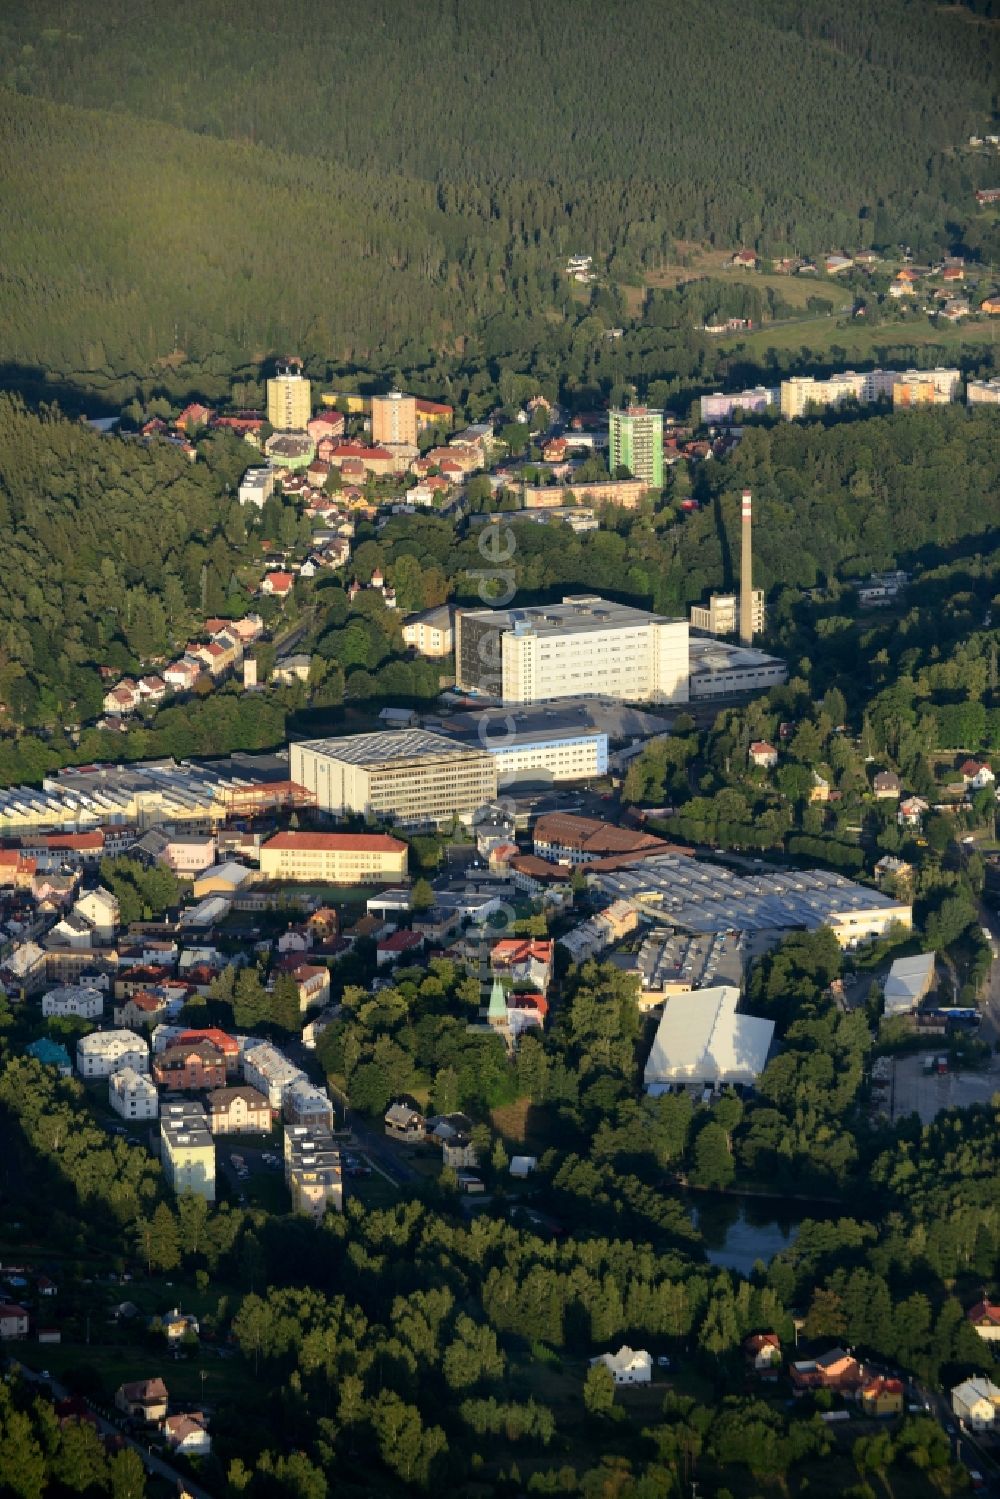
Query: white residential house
x,y
72,930
104,1052
100,908
763,755
124,697
132,1095
182,675
627,1366
976,1402
152,689
188,1434
912,812
976,774
13,1321
81,1000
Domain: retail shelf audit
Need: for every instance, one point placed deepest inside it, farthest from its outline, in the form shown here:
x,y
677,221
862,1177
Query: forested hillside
x,y
377,186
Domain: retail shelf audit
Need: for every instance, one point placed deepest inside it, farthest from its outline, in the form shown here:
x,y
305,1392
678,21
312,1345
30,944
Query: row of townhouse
x,y
220,654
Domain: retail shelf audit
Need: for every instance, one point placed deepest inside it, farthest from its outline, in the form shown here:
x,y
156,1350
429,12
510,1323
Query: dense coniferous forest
x,y
381,185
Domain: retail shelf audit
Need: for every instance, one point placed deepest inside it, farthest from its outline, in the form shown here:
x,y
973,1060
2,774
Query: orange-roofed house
x,y
374,460
763,755
16,872
524,960
194,415
881,1396
836,1370
433,414
227,1046
501,855
323,924
334,858
76,848
526,1011
141,1011
277,585
190,1067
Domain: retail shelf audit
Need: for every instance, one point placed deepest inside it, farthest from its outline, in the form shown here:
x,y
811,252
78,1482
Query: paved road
x,y
150,1460
990,1003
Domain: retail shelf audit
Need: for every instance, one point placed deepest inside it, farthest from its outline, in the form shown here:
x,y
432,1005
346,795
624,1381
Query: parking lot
x,y
915,1091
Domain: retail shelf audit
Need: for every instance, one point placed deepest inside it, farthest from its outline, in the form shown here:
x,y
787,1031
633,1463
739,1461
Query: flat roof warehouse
x,y
582,612
405,746
707,897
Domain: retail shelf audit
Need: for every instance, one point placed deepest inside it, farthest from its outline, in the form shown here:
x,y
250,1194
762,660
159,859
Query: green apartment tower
x,y
635,442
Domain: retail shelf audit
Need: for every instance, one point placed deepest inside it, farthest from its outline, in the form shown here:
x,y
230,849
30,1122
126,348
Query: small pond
x,y
738,1231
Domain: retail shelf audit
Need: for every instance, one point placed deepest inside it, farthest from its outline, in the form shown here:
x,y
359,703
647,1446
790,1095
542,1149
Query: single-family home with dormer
x,y
145,1399
976,774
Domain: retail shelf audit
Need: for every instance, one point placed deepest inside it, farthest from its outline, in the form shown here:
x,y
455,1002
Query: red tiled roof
x,y
400,942
878,1384
520,949
11,859
337,842
215,1037
357,450
145,1001
531,1001
74,840
984,1312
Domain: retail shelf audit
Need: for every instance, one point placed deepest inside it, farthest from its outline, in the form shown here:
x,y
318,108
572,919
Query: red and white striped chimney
x,y
746,570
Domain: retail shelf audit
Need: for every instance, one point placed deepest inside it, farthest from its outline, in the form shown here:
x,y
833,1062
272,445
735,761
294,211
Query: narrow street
x,y
107,1427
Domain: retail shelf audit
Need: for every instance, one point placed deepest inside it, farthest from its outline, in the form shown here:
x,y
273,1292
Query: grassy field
x,y
820,333
227,1380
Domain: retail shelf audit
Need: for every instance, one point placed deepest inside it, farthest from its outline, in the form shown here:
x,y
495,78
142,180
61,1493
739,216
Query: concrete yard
x,y
928,1094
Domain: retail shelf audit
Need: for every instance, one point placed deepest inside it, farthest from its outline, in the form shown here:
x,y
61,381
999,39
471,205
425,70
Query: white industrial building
x,y
408,776
536,744
719,669
104,1052
81,1000
132,1095
701,1040
697,896
907,981
585,645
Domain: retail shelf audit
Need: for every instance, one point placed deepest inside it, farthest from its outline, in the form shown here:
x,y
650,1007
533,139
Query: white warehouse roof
x,y
701,1039
907,982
